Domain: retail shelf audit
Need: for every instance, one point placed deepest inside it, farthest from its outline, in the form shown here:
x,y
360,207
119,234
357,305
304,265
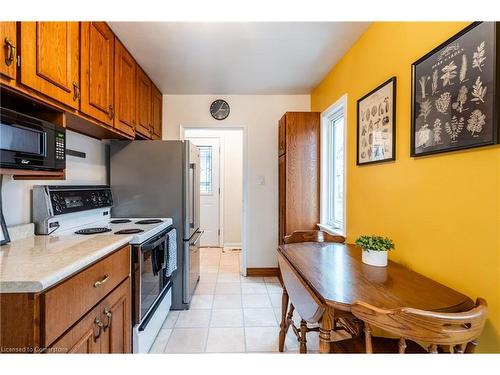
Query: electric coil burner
x,y
93,230
129,231
149,221
120,221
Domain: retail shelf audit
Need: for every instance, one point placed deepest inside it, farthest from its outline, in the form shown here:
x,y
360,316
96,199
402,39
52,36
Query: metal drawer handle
x,y
99,326
111,112
108,314
102,281
11,51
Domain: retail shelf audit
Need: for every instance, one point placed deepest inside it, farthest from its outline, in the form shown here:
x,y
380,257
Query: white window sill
x,y
331,230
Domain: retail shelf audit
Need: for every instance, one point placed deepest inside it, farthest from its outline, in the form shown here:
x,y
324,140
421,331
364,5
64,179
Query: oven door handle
x,y
149,247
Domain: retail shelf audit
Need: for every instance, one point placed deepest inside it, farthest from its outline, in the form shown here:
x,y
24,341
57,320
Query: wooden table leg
x,y
326,324
283,325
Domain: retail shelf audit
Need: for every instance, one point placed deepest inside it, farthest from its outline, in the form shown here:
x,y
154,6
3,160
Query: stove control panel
x,y
83,203
64,201
49,201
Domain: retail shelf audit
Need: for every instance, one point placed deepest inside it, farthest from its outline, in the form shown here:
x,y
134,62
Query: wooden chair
x,y
301,298
441,332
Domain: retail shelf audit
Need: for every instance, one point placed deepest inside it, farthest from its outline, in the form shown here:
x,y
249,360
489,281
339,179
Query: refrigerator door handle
x,y
192,167
200,233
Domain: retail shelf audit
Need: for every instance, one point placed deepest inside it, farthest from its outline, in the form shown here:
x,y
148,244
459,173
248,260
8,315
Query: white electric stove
x,y
87,211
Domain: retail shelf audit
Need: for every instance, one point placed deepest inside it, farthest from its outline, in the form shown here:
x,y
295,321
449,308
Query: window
x,y
206,169
333,168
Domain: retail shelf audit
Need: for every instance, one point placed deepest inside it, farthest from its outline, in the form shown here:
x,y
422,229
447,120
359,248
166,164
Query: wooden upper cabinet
x,y
125,66
8,38
156,112
142,103
50,59
97,53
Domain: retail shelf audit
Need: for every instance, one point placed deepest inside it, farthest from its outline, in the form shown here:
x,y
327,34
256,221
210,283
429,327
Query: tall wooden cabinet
x,y
50,56
299,172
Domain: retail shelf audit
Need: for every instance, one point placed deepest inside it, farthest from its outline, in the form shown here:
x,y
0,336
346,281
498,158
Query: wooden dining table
x,y
336,275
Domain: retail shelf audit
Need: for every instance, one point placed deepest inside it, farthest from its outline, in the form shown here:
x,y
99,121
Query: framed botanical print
x,y
376,124
455,94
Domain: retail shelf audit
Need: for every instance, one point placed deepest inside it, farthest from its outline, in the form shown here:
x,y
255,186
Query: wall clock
x,y
219,109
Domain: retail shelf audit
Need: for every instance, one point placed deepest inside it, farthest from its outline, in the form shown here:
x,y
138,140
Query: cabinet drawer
x,y
67,302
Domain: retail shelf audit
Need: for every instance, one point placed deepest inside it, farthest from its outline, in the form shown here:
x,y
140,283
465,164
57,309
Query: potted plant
x,y
375,249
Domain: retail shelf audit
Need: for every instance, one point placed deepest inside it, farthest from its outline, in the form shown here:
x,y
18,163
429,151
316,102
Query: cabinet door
x,y
97,53
83,337
156,109
142,103
282,136
8,38
282,198
50,59
115,312
124,119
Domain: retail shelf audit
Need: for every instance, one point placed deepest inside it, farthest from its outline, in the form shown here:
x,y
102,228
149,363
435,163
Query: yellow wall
x,y
443,211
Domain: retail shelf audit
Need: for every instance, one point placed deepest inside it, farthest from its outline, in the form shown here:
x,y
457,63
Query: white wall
x,y
92,171
259,114
231,141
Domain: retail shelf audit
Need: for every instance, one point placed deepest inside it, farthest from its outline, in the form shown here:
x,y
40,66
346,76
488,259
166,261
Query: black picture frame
x,y
494,103
393,81
5,232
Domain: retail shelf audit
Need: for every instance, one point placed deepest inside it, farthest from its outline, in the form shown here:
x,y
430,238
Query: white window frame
x,y
336,109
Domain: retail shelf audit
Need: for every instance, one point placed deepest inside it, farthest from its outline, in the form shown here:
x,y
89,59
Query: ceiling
x,y
237,58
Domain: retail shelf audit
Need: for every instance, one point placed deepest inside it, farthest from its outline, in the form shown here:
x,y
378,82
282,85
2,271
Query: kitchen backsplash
x,y
16,195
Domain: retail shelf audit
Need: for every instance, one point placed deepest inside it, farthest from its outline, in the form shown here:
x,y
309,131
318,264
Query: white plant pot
x,y
374,258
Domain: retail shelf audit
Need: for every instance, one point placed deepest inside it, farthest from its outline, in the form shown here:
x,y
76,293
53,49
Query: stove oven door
x,y
149,265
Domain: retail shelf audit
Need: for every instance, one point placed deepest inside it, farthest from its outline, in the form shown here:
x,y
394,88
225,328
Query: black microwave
x,y
27,142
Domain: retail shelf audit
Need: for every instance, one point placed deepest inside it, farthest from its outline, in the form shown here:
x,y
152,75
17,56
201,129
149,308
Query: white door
x,y
209,190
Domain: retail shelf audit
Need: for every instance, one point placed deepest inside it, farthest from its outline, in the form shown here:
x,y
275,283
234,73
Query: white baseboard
x,y
233,245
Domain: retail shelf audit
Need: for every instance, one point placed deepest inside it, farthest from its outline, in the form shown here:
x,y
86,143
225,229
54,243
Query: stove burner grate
x,y
120,221
129,231
93,230
149,221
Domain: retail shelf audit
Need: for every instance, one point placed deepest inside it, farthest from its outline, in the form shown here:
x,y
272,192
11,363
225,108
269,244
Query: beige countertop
x,y
35,263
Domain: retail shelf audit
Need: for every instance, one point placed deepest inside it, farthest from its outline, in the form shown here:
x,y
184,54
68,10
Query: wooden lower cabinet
x,y
89,312
81,338
105,329
116,316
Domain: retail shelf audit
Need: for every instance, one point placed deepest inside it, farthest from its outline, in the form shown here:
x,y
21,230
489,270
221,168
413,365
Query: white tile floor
x,y
229,313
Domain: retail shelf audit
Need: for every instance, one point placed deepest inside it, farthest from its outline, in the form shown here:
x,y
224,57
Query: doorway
x,y
222,186
210,210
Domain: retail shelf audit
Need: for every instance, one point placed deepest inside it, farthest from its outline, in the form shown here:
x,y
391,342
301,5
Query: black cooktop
x,y
149,221
120,221
93,230
129,231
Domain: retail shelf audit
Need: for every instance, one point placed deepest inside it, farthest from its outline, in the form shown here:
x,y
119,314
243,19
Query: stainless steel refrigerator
x,y
162,179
